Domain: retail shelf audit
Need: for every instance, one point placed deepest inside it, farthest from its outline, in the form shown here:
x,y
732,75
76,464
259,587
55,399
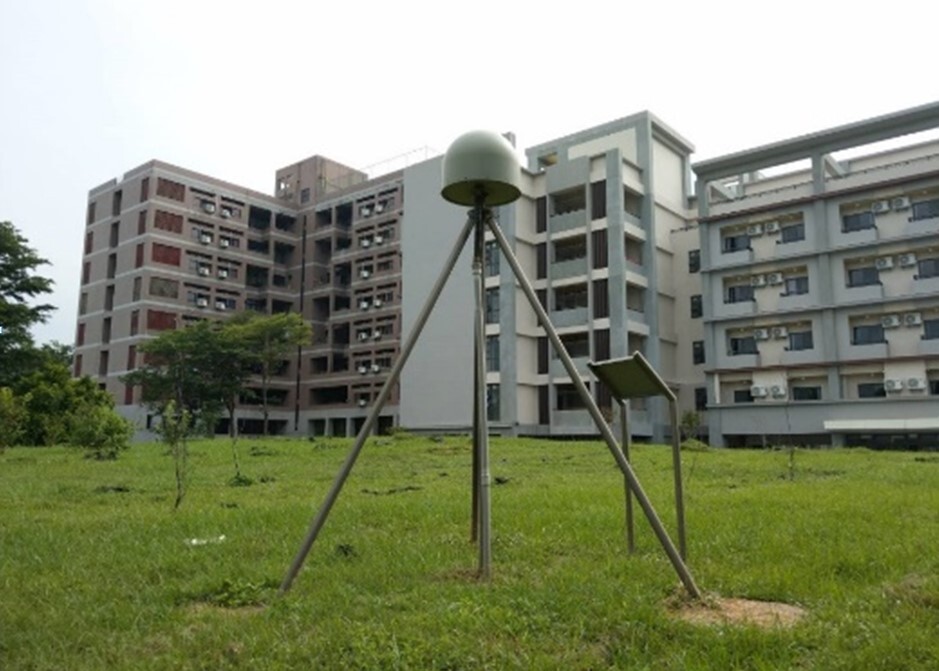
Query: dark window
x,y
806,393
742,345
541,214
168,221
743,396
542,355
305,195
493,412
165,254
926,209
739,293
871,390
700,398
632,203
492,258
492,353
696,306
933,385
541,261
115,234
568,398
144,189
570,297
601,345
103,361
170,189
576,344
116,203
867,334
492,305
697,352
794,286
598,200
927,268
86,272
89,241
735,243
801,340
142,222
600,251
78,365
862,277
792,233
544,406
601,299
930,329
91,213
106,330
694,260
112,266
80,337
857,222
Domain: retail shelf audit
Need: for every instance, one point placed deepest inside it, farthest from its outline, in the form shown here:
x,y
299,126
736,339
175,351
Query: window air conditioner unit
x,y
225,213
779,391
893,385
376,368
774,278
204,271
366,211
205,238
221,305
890,321
379,239
222,274
223,243
363,335
202,302
900,203
363,305
758,392
362,402
761,334
363,370
772,227
379,208
366,243
208,207
880,206
755,229
906,260
365,274
376,335
916,383
377,303
780,332
758,281
912,319
884,263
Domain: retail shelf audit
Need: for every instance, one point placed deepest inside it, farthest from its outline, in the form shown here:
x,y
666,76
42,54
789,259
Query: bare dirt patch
x,y
718,610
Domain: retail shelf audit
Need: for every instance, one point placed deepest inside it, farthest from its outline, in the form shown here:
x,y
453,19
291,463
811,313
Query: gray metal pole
x,y
630,526
680,568
676,468
383,395
480,421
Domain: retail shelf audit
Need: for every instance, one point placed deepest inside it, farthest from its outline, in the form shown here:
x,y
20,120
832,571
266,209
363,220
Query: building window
x,y
115,234
134,322
858,221
117,203
168,221
739,293
792,233
570,297
492,258
927,268
112,266
541,214
78,365
305,195
743,396
91,214
568,398
598,199
735,243
862,277
800,340
142,222
576,344
793,286
867,334
492,353
806,393
83,303
493,404
700,398
492,305
926,209
694,260
80,336
697,352
169,189
871,390
933,385
86,272
144,189
696,306
742,345
89,241
106,330
930,329
103,360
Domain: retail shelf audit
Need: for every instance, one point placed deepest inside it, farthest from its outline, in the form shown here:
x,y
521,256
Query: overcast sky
x,y
93,88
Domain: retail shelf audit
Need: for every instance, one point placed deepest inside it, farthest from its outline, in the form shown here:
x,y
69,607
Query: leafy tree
x,y
271,338
19,285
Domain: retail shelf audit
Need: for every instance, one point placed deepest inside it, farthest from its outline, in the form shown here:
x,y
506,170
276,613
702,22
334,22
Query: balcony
x,y
795,301
563,269
864,294
739,257
925,285
567,221
929,347
801,356
570,317
872,351
738,309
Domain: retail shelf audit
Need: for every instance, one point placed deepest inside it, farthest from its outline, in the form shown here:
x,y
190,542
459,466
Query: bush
x,y
100,430
12,416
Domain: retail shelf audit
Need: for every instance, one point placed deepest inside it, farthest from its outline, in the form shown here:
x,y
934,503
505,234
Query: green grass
x,y
96,571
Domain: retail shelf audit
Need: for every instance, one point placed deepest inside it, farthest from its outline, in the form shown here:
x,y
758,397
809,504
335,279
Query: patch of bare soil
x,y
717,610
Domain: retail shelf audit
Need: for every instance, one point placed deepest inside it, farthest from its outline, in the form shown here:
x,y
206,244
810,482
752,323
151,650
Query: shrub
x,y
12,416
100,430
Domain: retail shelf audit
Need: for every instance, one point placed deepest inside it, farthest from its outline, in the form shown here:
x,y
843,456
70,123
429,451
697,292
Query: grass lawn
x,y
98,572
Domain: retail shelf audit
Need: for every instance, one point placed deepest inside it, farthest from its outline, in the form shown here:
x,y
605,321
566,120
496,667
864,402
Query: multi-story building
x,y
796,306
820,288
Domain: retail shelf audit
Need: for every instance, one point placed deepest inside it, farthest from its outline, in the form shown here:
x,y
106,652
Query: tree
x,y
18,286
12,416
271,338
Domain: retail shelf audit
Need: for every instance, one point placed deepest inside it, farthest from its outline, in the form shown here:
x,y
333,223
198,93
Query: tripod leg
x,y
366,429
680,568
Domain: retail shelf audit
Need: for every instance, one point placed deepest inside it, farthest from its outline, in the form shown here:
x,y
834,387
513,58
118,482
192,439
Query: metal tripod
x,y
480,218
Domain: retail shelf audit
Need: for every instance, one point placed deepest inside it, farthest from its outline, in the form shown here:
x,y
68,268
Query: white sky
x,y
235,89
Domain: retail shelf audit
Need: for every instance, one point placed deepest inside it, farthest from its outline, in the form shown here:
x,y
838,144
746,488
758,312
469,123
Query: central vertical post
x,y
481,483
